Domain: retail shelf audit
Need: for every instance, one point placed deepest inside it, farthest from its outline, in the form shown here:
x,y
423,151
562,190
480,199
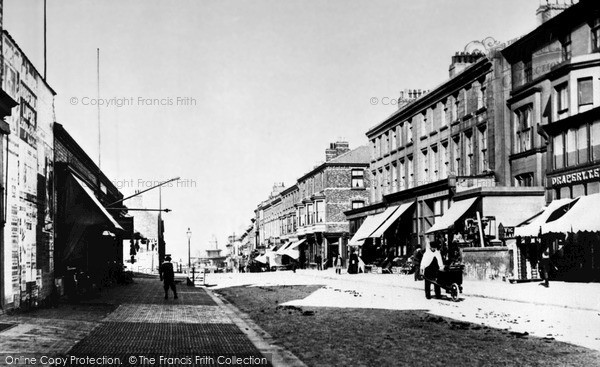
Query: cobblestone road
x,y
147,330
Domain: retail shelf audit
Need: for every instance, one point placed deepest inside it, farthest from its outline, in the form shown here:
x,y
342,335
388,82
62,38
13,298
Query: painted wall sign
x,y
575,177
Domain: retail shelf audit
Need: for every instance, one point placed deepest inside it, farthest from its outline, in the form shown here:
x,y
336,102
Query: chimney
x,y
277,188
341,147
409,95
461,60
330,152
550,8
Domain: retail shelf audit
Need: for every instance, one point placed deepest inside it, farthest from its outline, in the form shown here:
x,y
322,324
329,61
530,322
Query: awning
x,y
457,210
295,245
294,254
81,211
382,217
261,259
91,195
583,216
531,227
369,225
391,219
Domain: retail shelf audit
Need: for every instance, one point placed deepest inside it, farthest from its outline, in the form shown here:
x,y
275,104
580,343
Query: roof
x,y
358,156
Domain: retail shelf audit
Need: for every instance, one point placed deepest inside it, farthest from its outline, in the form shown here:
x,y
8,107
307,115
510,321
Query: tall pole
x,y
189,233
161,241
98,95
45,40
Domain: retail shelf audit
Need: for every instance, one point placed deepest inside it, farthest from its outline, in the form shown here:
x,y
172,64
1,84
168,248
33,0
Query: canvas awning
x,y
382,217
371,223
456,211
583,216
401,209
531,227
294,254
295,245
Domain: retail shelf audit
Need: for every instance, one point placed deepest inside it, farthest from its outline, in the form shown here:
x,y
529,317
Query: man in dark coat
x,y
167,275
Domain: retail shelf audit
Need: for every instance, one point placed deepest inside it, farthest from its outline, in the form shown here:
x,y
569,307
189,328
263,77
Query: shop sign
x,y
575,177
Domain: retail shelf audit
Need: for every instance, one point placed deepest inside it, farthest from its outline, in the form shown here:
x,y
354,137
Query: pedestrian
x,y
417,257
338,265
167,275
545,267
318,261
430,265
353,265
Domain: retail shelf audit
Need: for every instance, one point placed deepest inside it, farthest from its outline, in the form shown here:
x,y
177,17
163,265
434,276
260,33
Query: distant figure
x,y
167,275
545,267
338,265
353,264
319,262
430,265
417,257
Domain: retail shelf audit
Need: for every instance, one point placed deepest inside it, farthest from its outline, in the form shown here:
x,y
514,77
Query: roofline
x,y
27,58
449,87
552,27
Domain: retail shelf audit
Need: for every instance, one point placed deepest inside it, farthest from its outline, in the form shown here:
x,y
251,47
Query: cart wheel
x,y
454,292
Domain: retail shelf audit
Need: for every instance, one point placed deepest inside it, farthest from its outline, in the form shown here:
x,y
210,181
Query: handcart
x,y
450,279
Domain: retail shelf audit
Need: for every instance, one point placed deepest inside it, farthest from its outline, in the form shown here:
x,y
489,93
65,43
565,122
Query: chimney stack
x,y
550,8
336,149
461,60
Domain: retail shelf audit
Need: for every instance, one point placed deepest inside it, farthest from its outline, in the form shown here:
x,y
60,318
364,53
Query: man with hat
x,y
167,275
430,265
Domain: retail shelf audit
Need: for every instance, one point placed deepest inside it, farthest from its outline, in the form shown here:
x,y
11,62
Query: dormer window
x,y
566,47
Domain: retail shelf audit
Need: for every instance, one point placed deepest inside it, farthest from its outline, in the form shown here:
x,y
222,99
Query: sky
x,y
233,96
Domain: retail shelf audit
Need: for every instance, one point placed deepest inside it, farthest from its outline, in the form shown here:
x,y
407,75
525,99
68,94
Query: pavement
x,y
133,325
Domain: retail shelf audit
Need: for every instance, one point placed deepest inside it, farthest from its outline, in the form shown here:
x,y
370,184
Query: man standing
x,y
167,275
545,267
430,265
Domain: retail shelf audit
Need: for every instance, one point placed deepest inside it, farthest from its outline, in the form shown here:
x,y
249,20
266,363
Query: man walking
x,y
430,265
167,275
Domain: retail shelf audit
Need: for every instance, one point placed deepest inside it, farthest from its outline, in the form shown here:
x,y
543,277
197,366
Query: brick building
x,y
441,159
308,216
555,108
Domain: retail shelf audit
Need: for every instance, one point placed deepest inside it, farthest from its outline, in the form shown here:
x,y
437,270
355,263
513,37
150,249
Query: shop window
x,y
524,180
565,192
558,151
566,47
593,188
596,35
578,190
358,179
585,95
357,204
523,129
595,140
562,98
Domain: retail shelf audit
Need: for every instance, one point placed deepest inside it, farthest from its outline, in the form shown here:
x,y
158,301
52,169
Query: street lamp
x,y
189,236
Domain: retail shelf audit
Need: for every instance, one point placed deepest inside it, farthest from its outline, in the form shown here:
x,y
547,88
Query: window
x,y
375,186
358,179
385,141
585,95
320,212
301,217
410,171
562,98
381,182
566,47
435,172
444,168
481,97
596,35
388,181
456,154
571,147
454,109
394,138
595,140
424,165
469,153
400,135
310,215
558,151
523,129
424,124
374,152
402,174
528,70
524,180
394,177
357,204
409,132
582,144
378,147
444,112
482,140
